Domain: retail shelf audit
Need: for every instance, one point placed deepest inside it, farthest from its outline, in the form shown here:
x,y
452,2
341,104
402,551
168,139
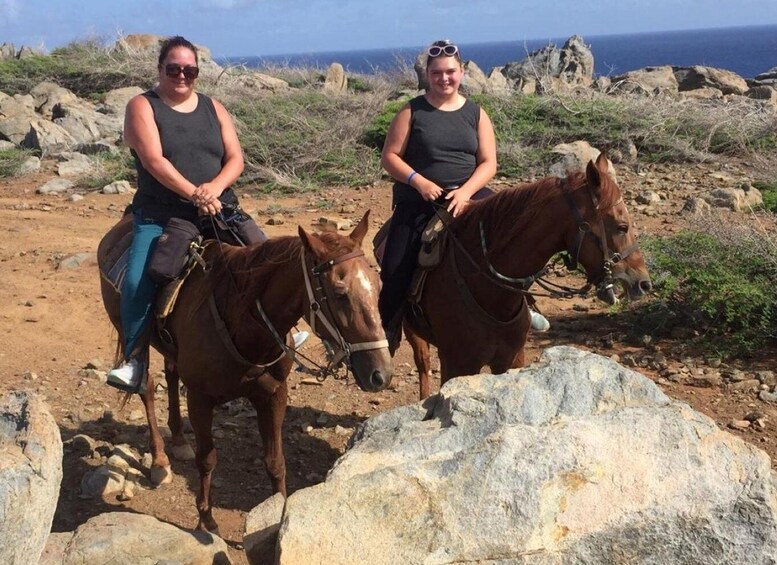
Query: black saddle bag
x,y
172,250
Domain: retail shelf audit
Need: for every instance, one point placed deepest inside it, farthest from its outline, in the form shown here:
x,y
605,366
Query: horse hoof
x,y
209,526
161,475
183,452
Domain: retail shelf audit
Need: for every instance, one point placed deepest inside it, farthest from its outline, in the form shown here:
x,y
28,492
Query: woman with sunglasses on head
x,y
441,150
187,156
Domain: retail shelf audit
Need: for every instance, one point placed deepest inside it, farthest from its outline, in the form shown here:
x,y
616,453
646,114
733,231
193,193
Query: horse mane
x,y
512,208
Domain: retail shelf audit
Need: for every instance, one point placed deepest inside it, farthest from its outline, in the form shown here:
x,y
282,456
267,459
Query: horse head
x,y
343,299
606,241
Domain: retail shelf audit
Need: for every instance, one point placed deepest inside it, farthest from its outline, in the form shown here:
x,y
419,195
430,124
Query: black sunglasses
x,y
190,72
437,50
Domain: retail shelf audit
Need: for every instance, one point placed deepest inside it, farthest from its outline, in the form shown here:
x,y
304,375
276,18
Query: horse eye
x,y
623,228
339,290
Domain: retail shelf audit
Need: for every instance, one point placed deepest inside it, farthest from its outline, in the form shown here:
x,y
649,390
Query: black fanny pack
x,y
172,250
232,226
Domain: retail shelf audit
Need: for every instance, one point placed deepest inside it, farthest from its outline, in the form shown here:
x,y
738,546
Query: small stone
x,y
276,220
341,431
580,308
136,415
82,444
311,381
338,224
740,425
30,376
705,381
767,396
117,187
75,198
746,385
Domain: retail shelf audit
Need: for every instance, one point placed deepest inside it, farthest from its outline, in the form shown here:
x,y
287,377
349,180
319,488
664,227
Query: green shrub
x,y
769,193
375,134
720,282
109,167
11,160
307,137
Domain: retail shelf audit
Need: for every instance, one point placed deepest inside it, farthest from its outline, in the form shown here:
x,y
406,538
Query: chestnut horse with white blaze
x,y
473,307
226,333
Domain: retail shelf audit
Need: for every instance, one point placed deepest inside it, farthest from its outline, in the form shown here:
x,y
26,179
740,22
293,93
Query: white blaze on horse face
x,y
365,282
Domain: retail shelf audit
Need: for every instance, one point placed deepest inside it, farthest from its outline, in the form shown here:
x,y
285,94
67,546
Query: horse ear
x,y
593,172
312,243
360,230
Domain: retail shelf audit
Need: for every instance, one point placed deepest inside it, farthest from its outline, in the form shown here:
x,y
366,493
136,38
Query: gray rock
x,y
691,78
127,538
696,206
77,260
7,52
116,100
117,187
55,186
736,199
574,459
649,80
30,476
48,137
261,530
335,80
75,165
47,95
30,165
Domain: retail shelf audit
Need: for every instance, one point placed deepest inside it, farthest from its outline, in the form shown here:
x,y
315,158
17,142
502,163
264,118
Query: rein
x,y
605,282
319,310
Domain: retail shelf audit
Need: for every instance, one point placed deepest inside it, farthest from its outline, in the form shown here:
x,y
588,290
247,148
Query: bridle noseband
x,y
321,310
609,258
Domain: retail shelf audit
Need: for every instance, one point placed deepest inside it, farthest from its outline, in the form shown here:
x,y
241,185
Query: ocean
x,y
747,51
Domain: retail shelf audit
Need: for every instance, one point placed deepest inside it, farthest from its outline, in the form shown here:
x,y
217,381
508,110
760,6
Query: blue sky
x,y
267,27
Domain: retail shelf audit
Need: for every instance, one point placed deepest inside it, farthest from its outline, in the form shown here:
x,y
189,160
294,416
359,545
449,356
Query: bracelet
x,y
410,177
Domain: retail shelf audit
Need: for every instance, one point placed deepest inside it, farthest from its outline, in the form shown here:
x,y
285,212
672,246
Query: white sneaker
x,y
539,323
127,376
300,338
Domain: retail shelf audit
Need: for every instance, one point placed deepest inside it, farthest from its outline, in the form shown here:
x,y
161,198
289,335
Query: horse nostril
x,y
377,379
645,286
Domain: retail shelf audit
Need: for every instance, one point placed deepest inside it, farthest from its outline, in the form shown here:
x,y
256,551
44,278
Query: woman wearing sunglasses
x,y
441,150
187,156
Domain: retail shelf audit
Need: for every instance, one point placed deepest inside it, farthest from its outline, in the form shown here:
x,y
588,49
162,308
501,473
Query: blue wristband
x,y
410,177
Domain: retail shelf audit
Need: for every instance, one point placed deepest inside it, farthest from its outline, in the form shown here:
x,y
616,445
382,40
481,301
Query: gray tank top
x,y
442,146
192,143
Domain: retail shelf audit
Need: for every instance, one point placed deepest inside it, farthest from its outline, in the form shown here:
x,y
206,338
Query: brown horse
x,y
223,337
473,306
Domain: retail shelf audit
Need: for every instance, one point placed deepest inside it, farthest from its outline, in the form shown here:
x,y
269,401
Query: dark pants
x,y
400,259
403,243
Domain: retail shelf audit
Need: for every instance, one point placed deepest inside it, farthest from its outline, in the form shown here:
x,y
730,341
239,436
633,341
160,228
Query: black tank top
x,y
442,146
192,142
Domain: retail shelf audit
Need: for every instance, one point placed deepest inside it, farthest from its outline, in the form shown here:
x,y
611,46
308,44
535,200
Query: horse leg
x,y
499,366
422,360
270,411
182,451
161,473
201,416
452,366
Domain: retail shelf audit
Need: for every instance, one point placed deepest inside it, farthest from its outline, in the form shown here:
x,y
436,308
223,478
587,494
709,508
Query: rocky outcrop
x,y
30,476
573,65
691,78
650,80
575,157
574,459
124,537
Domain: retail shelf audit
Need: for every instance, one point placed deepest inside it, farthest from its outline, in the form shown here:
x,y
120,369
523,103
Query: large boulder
x,y
768,78
575,157
7,52
574,459
30,476
116,100
47,95
127,538
649,80
48,137
336,79
691,78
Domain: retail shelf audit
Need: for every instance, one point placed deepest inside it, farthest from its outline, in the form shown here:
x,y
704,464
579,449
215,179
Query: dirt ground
x,y
52,325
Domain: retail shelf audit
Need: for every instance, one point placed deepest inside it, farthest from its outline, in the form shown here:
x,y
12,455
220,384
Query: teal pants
x,y
138,290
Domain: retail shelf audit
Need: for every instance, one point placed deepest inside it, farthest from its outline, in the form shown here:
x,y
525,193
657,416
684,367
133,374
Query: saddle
x,y
434,241
115,269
